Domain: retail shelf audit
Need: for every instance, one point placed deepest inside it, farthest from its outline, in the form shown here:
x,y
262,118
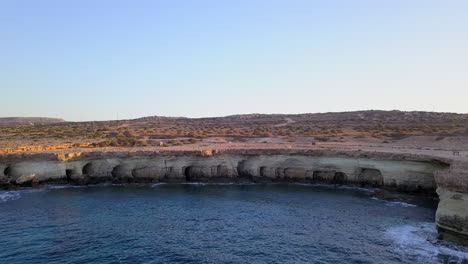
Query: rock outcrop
x,y
397,172
27,179
403,175
452,215
452,212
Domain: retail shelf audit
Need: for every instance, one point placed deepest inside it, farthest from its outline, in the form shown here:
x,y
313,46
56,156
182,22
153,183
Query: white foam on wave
x,y
370,190
390,203
58,187
71,186
420,241
394,203
212,183
333,186
6,196
217,183
157,184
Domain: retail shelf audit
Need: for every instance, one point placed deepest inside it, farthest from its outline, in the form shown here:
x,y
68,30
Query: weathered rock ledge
x,y
402,172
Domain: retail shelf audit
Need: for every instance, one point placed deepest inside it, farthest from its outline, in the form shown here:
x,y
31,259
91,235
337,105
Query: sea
x,y
219,223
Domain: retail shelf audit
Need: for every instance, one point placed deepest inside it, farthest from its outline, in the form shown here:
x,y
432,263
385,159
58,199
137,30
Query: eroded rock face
x,y
399,175
396,174
452,215
27,180
370,177
209,173
148,173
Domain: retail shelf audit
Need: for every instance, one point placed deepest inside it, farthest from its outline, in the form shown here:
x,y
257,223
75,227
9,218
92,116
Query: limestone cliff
x,y
393,171
401,173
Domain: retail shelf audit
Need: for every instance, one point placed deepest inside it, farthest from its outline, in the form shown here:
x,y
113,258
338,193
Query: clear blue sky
x,y
99,59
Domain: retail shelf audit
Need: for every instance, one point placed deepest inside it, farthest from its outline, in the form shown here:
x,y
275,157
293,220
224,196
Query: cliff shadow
x,y
115,172
188,173
69,173
86,170
7,171
198,174
329,176
121,175
370,177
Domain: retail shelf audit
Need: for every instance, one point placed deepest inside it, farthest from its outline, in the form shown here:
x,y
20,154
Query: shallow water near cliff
x,y
216,223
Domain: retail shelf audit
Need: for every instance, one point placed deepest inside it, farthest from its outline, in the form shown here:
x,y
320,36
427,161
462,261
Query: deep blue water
x,y
217,224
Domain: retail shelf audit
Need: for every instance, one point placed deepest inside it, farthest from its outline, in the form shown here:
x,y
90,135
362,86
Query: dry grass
x,y
163,132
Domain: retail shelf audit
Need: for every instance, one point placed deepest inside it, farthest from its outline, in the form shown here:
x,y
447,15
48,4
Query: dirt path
x,y
288,122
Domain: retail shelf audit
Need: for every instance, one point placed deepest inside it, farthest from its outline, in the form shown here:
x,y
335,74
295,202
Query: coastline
x,y
399,171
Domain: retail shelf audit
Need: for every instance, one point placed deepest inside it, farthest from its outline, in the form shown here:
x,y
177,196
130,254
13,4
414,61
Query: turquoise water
x,y
203,223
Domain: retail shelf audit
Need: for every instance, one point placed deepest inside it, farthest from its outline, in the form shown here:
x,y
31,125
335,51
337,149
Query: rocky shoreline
x,y
400,172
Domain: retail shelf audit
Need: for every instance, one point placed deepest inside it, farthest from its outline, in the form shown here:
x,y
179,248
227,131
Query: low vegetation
x,y
163,132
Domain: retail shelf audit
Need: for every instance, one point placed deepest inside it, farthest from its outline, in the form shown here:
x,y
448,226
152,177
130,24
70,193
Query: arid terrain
x,y
389,130
404,151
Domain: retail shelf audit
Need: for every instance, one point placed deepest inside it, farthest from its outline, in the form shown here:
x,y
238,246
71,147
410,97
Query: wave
x,y
217,183
203,184
6,196
334,186
71,186
158,184
369,190
58,187
420,241
394,203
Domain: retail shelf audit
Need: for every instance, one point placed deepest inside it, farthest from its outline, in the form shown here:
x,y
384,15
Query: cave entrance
x,y
330,177
69,173
115,171
323,176
7,171
372,177
86,169
187,173
339,178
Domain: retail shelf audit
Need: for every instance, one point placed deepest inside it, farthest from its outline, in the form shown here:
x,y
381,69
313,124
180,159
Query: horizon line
x,y
232,115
